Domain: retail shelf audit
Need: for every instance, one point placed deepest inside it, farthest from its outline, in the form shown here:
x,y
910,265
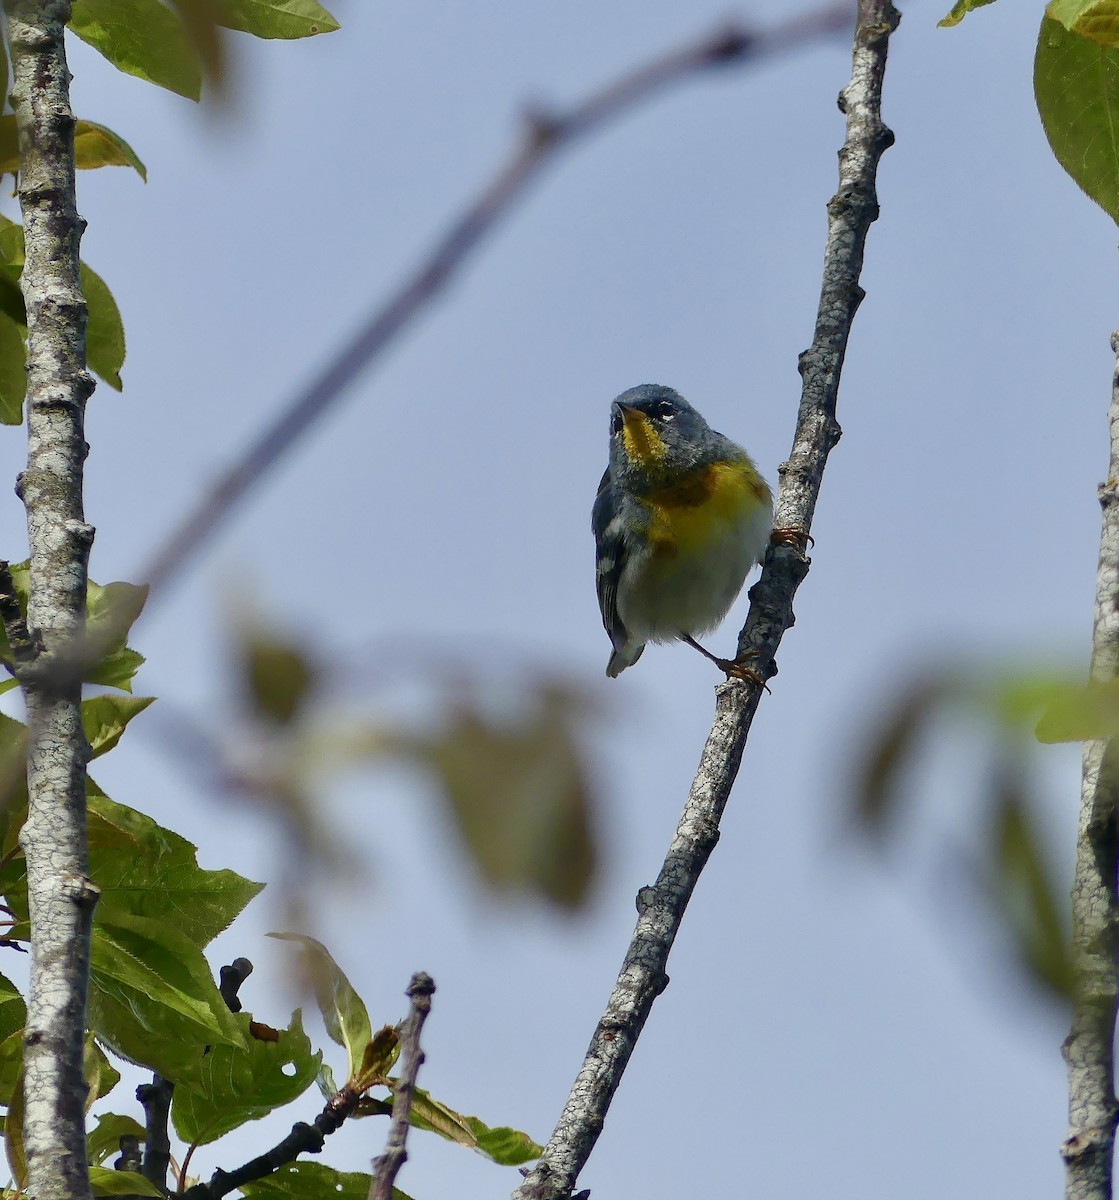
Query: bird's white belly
x,y
660,598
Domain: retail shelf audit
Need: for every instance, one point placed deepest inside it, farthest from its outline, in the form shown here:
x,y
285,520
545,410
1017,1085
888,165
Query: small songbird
x,y
681,516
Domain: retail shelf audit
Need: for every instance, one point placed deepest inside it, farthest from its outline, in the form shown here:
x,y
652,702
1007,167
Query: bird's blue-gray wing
x,y
606,521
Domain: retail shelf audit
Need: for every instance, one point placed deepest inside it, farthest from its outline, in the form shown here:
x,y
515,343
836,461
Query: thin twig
x,y
1088,1049
661,907
387,1166
60,895
544,135
303,1139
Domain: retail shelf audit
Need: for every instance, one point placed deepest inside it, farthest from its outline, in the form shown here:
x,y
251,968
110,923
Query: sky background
x,y
835,1024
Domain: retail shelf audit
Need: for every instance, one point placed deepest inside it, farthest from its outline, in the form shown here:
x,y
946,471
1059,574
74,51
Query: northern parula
x,y
681,516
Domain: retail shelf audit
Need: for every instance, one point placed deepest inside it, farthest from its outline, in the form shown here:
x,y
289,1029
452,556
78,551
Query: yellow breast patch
x,y
697,509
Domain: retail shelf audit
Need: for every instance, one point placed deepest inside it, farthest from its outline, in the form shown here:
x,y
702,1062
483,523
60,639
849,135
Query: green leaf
x,y
98,146
1076,85
13,370
960,10
244,1083
145,870
13,1136
104,335
312,1181
105,717
11,267
343,1013
107,1182
1095,19
277,18
13,1017
278,678
153,1000
502,1145
142,38
103,1141
100,1074
112,609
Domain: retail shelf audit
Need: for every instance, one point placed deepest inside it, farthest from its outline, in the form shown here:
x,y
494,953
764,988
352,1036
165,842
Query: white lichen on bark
x,y
1089,1148
60,895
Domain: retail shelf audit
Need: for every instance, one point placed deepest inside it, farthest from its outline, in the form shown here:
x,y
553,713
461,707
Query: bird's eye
x,y
615,422
662,411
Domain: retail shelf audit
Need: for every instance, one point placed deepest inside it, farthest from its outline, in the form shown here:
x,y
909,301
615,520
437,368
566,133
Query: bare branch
x,y
1088,1049
61,897
387,1166
661,907
544,135
156,1099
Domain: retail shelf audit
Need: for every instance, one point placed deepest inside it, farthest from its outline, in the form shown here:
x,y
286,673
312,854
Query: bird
x,y
681,516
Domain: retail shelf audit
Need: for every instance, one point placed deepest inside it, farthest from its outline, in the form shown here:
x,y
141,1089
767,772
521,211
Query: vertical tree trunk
x,y
61,897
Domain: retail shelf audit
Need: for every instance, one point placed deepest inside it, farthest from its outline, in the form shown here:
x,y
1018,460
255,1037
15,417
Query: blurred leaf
x,y
103,1141
278,678
147,871
960,10
278,18
343,1013
1026,893
312,1181
13,371
1095,19
1076,85
201,21
106,1182
891,749
98,146
326,1082
244,1083
142,38
502,1145
519,794
152,998
104,719
1080,712
100,1074
104,336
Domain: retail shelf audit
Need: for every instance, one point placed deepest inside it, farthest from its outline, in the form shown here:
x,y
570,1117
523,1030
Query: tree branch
x,y
61,897
661,907
387,1166
544,135
156,1099
1088,1049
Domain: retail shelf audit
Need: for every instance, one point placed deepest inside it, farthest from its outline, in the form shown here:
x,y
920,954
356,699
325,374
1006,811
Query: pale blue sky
x,y
826,1031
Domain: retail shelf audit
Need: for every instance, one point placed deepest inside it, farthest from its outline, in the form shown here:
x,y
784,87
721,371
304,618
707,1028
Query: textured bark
x,y
1088,1049
661,906
60,895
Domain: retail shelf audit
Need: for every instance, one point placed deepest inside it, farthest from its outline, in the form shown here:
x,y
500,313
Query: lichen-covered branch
x,y
661,906
60,895
1089,1148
